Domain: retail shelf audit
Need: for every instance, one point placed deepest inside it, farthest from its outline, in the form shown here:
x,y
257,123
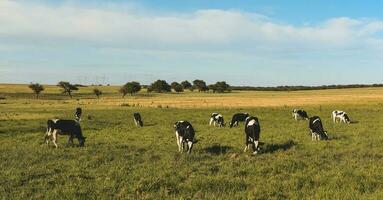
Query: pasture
x,y
121,161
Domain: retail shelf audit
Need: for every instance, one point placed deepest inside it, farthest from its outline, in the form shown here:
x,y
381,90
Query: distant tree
x,y
36,88
97,92
177,87
130,88
220,86
200,85
160,86
186,85
67,88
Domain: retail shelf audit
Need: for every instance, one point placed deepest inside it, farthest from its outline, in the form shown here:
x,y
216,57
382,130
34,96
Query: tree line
x,y
297,88
159,86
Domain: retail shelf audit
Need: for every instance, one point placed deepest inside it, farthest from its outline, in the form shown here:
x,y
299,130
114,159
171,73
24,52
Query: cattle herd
x,y
185,133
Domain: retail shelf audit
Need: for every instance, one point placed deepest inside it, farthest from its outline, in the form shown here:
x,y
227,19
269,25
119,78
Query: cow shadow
x,y
271,148
354,122
150,124
217,149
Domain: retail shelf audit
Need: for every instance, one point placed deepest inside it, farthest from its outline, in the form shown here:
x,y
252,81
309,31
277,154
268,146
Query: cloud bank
x,y
214,35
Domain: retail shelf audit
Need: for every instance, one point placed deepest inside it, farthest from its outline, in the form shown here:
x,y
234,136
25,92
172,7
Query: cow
x,y
239,117
316,129
57,127
340,116
138,119
185,135
217,118
300,114
78,114
252,131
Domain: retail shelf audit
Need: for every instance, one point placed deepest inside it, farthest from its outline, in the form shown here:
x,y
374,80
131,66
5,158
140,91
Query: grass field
x,y
120,161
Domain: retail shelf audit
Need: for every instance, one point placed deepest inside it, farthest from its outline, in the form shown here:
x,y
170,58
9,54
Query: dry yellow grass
x,y
194,99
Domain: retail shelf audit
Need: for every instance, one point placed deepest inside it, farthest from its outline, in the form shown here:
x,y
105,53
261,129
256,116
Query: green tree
x,y
67,88
97,92
177,87
186,85
36,88
160,86
130,88
220,86
200,85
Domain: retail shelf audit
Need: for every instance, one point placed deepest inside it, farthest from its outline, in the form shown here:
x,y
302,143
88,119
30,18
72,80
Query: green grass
x,y
124,162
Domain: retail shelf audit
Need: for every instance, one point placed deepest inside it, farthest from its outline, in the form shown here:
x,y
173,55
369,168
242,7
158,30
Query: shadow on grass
x,y
150,124
271,148
217,149
354,122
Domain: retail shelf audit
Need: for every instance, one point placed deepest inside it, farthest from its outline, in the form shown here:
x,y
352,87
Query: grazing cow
x,y
138,119
300,114
316,129
185,135
64,127
340,116
217,118
78,114
252,131
239,117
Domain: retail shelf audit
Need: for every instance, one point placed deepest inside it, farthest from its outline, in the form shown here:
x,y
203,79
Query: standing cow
x,y
138,119
57,127
185,135
217,118
252,132
316,129
340,116
300,114
239,117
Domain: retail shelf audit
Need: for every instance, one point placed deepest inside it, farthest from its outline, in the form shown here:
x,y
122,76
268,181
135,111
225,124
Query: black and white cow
x,y
340,116
78,114
252,131
57,127
300,114
185,135
138,119
316,129
217,118
239,117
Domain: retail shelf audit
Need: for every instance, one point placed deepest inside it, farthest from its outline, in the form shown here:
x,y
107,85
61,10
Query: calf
x,y
138,119
78,114
252,131
64,127
300,114
239,117
217,118
316,129
185,135
340,116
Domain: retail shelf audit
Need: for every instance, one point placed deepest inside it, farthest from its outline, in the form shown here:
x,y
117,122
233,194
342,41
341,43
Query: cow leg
x,y
135,122
255,147
211,121
47,136
246,143
190,146
54,138
70,140
178,141
312,136
181,149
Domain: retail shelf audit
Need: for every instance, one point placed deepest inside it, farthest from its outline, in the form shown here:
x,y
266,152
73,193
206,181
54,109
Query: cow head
x,y
347,119
81,141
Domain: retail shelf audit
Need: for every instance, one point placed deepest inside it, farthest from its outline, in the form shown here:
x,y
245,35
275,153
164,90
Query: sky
x,y
243,42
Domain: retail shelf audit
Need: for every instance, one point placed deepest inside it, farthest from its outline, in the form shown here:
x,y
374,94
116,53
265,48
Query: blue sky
x,y
259,43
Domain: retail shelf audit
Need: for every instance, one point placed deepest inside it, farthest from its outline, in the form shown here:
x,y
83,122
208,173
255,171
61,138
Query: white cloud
x,y
210,29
